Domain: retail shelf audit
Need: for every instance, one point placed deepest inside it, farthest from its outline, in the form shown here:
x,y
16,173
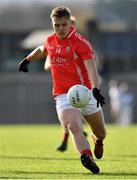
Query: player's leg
x,y
97,124
64,142
71,118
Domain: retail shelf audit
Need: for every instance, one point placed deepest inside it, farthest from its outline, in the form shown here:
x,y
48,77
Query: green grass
x,y
28,152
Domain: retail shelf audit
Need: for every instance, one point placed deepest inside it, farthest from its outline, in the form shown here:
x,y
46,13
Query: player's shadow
x,y
44,174
40,158
68,158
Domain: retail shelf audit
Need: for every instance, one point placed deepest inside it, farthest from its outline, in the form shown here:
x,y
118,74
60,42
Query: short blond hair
x,y
61,11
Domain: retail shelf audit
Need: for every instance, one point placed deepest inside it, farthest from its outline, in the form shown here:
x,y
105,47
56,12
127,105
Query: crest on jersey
x,y
67,49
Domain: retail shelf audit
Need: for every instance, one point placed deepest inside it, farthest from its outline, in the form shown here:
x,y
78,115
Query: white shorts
x,y
62,104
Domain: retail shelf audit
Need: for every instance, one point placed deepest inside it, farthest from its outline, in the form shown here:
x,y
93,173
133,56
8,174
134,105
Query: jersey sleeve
x,y
84,49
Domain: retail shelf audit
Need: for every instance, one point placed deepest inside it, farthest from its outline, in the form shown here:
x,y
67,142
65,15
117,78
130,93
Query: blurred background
x,y
111,26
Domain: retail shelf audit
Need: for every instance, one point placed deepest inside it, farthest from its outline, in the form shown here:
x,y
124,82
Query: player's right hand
x,y
23,65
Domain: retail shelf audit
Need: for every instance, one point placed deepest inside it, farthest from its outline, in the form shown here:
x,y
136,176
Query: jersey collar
x,y
72,30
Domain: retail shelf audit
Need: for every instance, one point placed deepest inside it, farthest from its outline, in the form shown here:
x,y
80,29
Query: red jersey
x,y
67,58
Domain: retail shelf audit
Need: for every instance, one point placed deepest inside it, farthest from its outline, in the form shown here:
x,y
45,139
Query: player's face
x,y
61,26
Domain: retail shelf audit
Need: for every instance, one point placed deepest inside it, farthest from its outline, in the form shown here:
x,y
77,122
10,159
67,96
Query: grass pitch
x,y
29,152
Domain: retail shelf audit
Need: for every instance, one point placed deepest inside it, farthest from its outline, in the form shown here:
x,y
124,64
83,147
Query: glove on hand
x,y
98,96
23,65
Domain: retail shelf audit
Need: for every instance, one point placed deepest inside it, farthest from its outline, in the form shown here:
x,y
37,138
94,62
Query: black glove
x,y
98,96
23,65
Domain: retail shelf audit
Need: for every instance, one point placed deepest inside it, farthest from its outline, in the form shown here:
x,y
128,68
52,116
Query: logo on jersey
x,y
67,49
56,61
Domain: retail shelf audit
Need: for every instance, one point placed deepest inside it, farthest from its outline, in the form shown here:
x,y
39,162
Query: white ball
x,y
78,96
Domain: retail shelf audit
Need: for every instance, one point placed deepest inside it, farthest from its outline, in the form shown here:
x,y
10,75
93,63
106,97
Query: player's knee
x,y
73,127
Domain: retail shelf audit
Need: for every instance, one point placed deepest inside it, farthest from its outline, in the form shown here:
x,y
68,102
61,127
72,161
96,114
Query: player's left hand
x,y
23,65
98,96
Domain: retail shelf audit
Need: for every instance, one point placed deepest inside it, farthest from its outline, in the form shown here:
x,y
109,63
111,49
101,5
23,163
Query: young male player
x,y
72,62
64,142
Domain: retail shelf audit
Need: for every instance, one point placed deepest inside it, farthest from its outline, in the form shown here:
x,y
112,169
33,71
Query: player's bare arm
x,y
92,73
36,54
95,81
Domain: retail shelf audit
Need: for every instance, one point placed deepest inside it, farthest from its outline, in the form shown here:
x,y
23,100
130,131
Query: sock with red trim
x,y
86,151
65,137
